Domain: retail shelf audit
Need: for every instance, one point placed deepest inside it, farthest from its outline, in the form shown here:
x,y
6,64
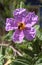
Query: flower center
x,y
21,26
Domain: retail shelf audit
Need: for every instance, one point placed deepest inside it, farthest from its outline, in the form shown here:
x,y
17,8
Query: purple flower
x,y
22,23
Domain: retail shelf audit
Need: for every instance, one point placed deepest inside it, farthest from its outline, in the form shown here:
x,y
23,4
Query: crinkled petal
x,y
10,24
28,25
21,12
31,18
29,33
34,20
18,36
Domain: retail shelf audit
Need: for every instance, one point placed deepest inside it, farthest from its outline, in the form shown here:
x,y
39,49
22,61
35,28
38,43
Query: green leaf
x,y
8,36
39,64
1,58
9,51
39,61
21,61
39,35
37,27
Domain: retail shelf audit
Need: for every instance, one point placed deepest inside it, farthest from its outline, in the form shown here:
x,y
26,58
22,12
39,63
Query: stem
x,y
14,50
21,3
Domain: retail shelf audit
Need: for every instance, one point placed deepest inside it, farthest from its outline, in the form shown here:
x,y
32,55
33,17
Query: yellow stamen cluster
x,y
21,26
